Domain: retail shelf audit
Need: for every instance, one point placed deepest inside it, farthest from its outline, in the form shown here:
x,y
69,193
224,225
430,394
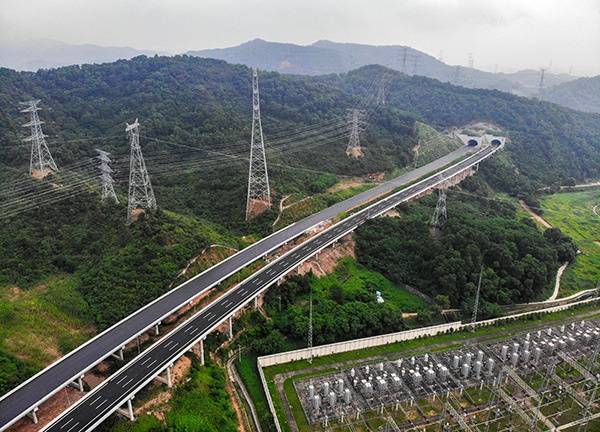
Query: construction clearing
x,y
543,380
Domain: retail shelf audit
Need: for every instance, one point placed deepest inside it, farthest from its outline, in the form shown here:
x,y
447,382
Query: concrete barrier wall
x,y
552,309
269,398
356,344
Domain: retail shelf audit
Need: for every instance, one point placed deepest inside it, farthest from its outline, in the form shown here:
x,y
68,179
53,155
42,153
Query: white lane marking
x,y
103,402
197,329
72,427
150,364
122,378
148,358
70,420
125,384
95,400
174,346
209,314
169,343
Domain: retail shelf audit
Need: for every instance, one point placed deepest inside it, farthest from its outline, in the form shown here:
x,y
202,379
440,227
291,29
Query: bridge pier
x,y
156,331
202,352
231,327
256,302
127,412
169,379
78,384
33,415
119,354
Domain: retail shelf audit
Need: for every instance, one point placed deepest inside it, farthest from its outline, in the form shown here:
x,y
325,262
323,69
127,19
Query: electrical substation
x,y
543,380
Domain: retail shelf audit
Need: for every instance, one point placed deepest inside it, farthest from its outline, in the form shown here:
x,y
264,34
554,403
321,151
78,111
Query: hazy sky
x,y
513,34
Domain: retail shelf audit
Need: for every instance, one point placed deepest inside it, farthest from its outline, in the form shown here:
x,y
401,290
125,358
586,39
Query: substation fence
x,y
373,341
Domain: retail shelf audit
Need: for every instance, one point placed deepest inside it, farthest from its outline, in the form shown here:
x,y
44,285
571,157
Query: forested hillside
x,y
582,94
195,119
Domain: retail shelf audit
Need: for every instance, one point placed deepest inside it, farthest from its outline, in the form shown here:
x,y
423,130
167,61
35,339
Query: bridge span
x,y
122,386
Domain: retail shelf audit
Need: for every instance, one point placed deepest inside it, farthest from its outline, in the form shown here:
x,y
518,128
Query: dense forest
x,y
518,261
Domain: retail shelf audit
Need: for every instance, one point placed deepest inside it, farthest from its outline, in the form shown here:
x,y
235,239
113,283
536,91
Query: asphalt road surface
x,y
114,392
30,394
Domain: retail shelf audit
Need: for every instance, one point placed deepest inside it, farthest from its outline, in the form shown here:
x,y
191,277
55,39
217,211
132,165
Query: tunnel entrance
x,y
472,142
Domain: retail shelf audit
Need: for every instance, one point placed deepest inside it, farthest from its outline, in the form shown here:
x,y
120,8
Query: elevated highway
x,y
121,388
26,398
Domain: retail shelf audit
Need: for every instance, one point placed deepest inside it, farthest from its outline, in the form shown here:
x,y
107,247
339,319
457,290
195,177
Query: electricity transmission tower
x,y
541,85
41,163
471,69
404,55
440,214
476,306
106,181
259,192
356,120
141,195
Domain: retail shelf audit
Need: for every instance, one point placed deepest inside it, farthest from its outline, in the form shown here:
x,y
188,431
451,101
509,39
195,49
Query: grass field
x,y
572,213
42,323
355,280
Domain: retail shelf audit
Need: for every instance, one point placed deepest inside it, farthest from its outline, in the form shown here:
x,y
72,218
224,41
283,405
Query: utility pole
x,y
356,120
259,192
440,214
456,75
381,92
41,163
107,189
310,326
141,194
476,306
415,64
541,85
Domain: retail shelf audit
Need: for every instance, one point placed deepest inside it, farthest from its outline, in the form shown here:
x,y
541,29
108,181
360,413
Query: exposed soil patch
x,y
48,411
355,152
326,261
534,215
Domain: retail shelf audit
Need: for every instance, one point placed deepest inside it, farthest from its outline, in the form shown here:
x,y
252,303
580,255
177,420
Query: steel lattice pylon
x,y
440,215
259,192
356,120
141,195
41,161
107,189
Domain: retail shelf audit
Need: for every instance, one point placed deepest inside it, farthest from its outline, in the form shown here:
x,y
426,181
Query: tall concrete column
x,y
231,327
202,352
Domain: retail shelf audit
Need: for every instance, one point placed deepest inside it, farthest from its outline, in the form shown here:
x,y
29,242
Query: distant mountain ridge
x,y
35,54
324,57
582,94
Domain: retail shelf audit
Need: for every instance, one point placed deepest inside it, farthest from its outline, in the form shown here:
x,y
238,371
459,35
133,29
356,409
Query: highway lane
x,y
34,391
111,394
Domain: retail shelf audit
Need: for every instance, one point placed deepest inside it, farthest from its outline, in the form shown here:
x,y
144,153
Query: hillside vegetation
x,y
191,108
